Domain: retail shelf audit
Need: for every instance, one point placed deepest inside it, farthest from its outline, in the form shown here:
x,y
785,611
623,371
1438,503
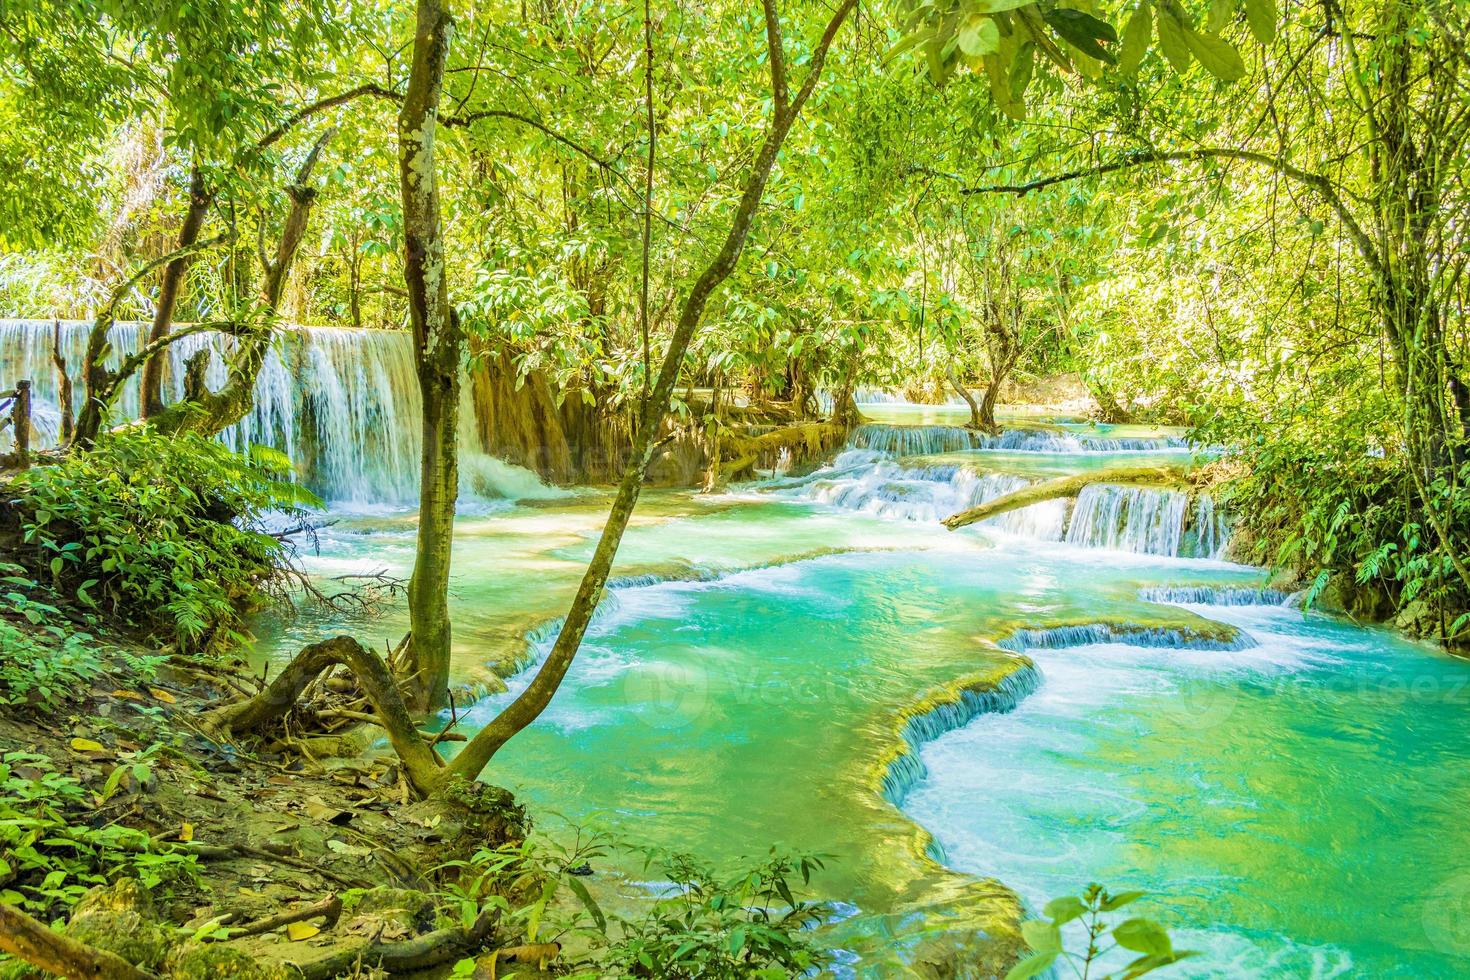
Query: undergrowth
x,y
166,535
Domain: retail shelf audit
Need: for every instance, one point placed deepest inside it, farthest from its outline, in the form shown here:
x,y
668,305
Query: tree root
x,y
32,941
421,764
329,908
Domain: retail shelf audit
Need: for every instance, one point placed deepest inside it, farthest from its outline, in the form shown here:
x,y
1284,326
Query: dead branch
x,y
23,937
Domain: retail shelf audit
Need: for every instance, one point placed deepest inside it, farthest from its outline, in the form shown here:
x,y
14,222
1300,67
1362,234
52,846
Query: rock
x,y
212,961
119,919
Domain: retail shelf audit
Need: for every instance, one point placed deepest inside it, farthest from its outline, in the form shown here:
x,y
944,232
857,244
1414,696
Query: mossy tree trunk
x,y
200,198
210,412
439,350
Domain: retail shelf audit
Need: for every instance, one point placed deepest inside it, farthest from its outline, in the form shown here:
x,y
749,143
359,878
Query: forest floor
x,y
264,854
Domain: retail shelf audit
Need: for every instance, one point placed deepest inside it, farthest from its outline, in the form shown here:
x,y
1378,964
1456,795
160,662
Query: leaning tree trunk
x,y
200,198
209,412
785,109
439,349
977,421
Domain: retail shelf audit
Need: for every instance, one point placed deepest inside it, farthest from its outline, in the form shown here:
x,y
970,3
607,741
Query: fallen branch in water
x,y
1067,486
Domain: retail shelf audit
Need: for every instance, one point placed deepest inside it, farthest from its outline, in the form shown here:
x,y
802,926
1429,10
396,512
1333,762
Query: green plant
x,y
50,853
1092,908
747,925
164,533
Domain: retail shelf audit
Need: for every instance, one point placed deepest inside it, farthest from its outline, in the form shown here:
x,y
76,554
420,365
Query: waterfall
x,y
1204,595
951,710
1148,520
931,440
1136,519
1144,520
1222,637
343,404
870,482
914,440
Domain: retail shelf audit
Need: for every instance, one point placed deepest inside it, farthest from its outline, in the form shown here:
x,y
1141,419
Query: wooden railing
x,y
15,414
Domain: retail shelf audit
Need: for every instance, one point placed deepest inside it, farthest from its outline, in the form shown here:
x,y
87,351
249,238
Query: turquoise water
x,y
1294,804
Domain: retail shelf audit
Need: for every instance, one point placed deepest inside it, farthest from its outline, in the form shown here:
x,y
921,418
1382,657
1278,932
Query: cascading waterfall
x,y
343,404
870,482
872,476
950,712
931,440
1203,595
1225,638
1137,519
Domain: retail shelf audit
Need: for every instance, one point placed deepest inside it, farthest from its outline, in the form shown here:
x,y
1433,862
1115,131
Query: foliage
x,y
164,533
53,851
1093,910
747,925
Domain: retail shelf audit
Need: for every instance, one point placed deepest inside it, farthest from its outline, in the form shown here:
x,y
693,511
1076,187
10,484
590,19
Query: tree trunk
x,y
987,405
211,412
439,349
63,386
534,699
200,197
977,421
1066,486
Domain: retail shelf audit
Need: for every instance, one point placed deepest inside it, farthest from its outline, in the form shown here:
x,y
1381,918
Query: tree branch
x,y
321,105
777,54
24,937
1317,182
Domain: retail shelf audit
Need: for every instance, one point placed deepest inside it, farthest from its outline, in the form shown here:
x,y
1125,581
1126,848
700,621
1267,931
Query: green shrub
x,y
50,852
1093,910
1341,508
747,925
162,533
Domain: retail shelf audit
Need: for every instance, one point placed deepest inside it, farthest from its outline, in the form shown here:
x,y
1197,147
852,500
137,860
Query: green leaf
x,y
1000,87
1032,966
1173,41
1217,55
1121,899
737,940
994,6
1219,16
1064,909
1083,31
1023,67
1042,936
592,907
1136,36
1143,936
1261,17
979,36
1148,964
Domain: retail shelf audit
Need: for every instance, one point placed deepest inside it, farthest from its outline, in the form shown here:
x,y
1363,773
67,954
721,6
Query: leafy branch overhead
x,y
1006,38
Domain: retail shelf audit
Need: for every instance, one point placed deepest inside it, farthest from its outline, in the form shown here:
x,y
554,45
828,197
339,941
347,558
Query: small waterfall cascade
x,y
875,479
1148,520
870,482
930,440
1137,519
948,714
343,404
